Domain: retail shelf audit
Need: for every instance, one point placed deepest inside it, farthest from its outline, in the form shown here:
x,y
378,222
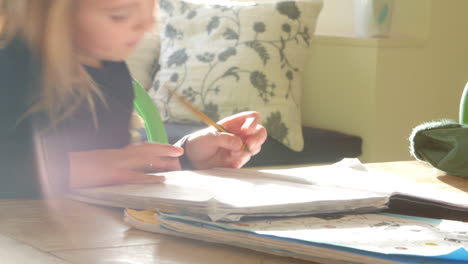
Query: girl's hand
x,y
208,148
126,165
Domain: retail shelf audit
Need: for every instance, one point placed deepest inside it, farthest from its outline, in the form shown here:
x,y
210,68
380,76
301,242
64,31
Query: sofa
x,y
147,66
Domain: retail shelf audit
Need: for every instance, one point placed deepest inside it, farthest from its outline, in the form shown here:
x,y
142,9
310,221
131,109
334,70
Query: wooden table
x,y
423,173
64,231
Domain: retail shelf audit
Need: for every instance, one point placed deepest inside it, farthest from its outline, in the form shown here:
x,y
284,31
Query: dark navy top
x,y
18,173
113,117
19,80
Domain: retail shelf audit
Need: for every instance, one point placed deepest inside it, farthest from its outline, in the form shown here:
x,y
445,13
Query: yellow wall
x,y
411,17
380,89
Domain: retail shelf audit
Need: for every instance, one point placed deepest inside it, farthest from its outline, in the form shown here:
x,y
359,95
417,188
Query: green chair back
x,y
147,110
463,114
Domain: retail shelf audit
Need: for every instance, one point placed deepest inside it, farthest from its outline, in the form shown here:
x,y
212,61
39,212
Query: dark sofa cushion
x,y
320,146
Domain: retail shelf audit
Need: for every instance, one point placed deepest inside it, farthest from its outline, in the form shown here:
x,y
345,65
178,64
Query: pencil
x,y
202,116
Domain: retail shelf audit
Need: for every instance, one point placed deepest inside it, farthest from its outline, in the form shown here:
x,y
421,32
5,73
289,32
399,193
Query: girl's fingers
x,y
157,150
235,122
227,141
249,126
161,164
228,159
239,116
106,167
154,157
239,159
256,140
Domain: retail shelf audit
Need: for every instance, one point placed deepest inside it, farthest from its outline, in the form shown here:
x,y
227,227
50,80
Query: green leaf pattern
x,y
276,127
289,9
230,34
212,110
177,58
166,5
259,49
214,23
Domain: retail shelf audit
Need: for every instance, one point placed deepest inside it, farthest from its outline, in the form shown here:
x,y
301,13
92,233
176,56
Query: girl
x,y
67,99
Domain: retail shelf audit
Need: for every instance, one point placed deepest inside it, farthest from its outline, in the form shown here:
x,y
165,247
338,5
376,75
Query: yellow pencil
x,y
202,116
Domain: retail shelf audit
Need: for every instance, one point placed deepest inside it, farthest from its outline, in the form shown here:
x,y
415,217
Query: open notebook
x,y
363,238
230,194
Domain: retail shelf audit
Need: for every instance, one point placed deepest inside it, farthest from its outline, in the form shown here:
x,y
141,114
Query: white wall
x,y
380,89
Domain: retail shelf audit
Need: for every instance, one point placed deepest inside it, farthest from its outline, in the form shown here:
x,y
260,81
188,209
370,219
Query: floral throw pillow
x,y
232,56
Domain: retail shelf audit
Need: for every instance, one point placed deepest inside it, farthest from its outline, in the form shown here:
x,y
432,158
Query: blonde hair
x,y
45,26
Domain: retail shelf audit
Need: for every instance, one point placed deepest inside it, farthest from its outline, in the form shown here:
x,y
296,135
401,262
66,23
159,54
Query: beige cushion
x,y
236,56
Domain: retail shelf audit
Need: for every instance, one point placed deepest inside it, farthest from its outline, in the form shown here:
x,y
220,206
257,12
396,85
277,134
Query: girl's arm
x,y
127,165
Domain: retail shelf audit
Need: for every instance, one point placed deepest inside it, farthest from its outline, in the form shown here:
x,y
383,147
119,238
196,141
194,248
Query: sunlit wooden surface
x,y
64,231
425,174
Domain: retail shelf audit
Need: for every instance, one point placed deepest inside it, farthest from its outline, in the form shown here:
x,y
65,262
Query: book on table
x,y
231,194
352,238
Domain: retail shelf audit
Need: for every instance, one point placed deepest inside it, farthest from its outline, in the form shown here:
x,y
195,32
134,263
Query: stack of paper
x,y
230,194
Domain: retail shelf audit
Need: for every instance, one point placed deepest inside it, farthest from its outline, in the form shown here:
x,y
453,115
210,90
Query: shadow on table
x,y
459,183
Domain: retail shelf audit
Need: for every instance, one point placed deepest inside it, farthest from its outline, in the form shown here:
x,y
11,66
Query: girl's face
x,y
110,29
